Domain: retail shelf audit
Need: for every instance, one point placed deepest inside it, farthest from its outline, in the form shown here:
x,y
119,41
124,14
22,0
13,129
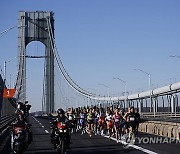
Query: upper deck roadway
x,y
82,144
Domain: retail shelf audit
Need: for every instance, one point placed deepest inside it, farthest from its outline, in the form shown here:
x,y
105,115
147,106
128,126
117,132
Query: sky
x,y
98,40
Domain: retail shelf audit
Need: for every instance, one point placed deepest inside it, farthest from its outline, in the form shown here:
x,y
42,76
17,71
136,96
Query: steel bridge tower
x,y
33,26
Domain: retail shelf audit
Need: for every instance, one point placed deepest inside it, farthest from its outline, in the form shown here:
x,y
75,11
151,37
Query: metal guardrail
x,y
5,122
161,114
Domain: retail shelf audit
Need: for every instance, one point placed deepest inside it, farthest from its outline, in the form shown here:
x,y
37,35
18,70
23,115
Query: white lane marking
x,y
35,119
41,125
133,146
46,131
38,121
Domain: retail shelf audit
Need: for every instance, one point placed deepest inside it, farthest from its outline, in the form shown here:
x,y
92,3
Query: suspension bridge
x,y
159,107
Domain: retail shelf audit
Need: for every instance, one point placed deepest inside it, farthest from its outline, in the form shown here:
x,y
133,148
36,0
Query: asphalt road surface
x,y
82,144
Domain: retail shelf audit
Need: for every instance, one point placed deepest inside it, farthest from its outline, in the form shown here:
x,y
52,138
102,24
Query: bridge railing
x,y
161,114
5,122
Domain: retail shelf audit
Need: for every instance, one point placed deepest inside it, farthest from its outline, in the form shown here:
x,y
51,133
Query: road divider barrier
x,y
161,128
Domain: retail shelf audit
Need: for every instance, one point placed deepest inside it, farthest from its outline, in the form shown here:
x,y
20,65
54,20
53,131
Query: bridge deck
x,y
82,144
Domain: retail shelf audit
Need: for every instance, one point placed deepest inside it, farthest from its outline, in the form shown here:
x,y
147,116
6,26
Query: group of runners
x,y
113,122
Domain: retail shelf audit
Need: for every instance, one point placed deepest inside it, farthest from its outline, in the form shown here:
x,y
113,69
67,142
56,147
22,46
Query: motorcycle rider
x,y
24,108
60,118
20,121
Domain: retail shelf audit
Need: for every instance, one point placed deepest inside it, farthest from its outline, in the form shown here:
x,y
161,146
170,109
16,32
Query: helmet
x,y
60,111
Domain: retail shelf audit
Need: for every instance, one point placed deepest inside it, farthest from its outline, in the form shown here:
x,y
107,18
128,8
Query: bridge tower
x,y
33,26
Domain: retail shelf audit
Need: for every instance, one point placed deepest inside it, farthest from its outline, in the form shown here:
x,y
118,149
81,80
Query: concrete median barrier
x,y
166,129
150,128
143,127
161,130
178,132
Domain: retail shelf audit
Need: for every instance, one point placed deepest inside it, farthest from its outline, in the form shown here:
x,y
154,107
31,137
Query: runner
x,y
96,118
90,122
130,118
82,120
70,115
137,120
117,119
109,122
101,123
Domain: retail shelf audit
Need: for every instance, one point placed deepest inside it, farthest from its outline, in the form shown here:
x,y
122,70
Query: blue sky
x,y
101,39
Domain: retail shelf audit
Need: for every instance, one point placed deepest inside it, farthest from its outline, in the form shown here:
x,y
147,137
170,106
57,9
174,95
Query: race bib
x,y
116,120
70,118
131,118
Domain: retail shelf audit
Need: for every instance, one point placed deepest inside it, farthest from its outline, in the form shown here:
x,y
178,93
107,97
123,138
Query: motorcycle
x,y
60,137
21,137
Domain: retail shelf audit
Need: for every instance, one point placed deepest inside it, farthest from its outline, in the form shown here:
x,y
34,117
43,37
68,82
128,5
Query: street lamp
x,y
149,77
106,87
174,56
124,82
93,90
5,67
96,94
108,90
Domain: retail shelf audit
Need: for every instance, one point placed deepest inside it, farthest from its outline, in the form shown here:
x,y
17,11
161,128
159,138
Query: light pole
x,y
149,78
174,56
106,87
124,82
5,67
108,90
93,90
95,93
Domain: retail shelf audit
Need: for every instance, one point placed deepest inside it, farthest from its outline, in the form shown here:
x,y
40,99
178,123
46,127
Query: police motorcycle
x,y
60,134
21,136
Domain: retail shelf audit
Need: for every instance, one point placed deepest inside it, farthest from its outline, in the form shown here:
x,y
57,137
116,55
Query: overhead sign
x,y
9,93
